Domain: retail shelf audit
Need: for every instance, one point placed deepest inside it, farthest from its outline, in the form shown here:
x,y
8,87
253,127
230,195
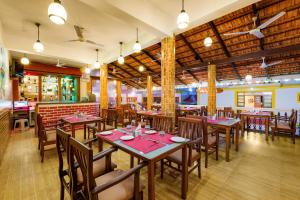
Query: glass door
x,y
68,89
49,88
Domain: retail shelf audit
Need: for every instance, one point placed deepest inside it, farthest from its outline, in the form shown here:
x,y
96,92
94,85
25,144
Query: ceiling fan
x,y
158,58
59,64
265,65
183,77
257,31
79,32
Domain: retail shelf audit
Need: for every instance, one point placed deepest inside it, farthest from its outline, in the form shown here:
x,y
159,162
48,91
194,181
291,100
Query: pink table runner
x,y
145,145
256,113
112,137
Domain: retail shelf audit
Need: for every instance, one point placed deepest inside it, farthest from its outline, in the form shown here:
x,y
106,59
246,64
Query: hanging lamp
x,y
97,63
121,59
25,60
57,13
183,18
137,45
38,46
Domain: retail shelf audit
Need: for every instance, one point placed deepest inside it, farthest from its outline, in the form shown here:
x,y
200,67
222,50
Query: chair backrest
x,y
132,115
228,108
109,115
120,115
225,113
41,129
84,157
163,123
193,129
62,147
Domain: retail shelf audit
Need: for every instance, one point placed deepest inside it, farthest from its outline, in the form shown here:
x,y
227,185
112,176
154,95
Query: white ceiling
x,y
105,21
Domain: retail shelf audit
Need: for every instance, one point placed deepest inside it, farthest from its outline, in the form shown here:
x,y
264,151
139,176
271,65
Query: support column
x,y
119,93
89,87
149,92
198,96
103,87
211,105
168,76
126,94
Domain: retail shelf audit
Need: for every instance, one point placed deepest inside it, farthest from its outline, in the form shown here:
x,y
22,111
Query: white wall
x,y
225,99
286,98
83,89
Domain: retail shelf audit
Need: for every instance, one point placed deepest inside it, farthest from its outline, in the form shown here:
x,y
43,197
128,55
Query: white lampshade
x,y
87,70
248,78
183,20
137,47
57,13
97,64
38,46
121,60
208,41
141,68
25,60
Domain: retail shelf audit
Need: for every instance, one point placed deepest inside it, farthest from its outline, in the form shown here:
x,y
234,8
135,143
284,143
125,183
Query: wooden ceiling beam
x,y
123,79
188,71
197,55
123,70
147,68
253,55
222,43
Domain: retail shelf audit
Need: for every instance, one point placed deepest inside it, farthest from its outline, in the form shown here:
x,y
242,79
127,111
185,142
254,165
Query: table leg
x,y
151,185
242,125
267,128
237,136
73,131
84,131
99,125
184,181
227,143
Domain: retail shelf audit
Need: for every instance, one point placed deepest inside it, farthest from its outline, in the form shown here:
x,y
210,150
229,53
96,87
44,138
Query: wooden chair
x,y
226,113
122,120
100,165
163,123
210,141
114,185
193,129
46,136
285,127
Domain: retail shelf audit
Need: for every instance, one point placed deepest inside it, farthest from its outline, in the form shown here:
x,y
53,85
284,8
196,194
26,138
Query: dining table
x,y
149,147
148,115
226,124
263,116
81,119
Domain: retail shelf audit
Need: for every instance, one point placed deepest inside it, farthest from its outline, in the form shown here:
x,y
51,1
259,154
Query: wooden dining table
x,y
81,119
265,116
227,124
143,147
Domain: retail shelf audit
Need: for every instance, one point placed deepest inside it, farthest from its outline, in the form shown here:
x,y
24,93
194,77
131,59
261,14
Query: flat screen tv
x,y
188,96
17,69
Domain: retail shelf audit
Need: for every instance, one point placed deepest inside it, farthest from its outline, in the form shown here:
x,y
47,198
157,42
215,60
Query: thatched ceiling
x,y
281,43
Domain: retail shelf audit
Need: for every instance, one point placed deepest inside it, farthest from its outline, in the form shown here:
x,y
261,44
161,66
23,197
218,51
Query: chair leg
x,y
206,157
273,135
162,168
293,138
39,145
62,192
199,168
131,161
42,152
217,151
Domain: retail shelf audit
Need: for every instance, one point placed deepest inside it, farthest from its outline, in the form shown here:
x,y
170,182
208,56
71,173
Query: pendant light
x,y
97,63
248,78
25,60
87,70
121,59
208,41
137,45
141,68
183,18
57,13
38,46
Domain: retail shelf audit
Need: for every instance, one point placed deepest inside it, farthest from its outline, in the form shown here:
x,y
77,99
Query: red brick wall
x,y
53,112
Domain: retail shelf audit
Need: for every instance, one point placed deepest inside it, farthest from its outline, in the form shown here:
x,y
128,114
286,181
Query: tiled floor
x,y
260,170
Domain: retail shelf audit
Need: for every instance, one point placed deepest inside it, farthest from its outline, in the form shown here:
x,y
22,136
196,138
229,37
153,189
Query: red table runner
x,y
112,137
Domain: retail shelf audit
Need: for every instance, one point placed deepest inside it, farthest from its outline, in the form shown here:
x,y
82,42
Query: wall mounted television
x,y
16,69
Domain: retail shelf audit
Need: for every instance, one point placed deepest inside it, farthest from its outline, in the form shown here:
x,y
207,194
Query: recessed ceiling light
x,y
208,41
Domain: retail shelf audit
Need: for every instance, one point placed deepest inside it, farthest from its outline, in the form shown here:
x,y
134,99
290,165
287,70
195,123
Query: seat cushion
x,y
121,191
177,156
51,136
211,139
98,169
281,125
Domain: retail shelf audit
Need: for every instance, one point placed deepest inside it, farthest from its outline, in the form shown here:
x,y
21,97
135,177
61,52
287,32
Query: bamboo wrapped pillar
x,y
149,92
211,105
119,93
198,96
103,87
168,76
